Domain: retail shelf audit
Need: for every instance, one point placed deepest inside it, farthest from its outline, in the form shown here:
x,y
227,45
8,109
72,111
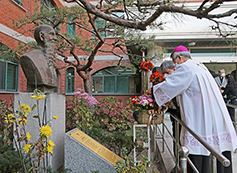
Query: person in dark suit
x,y
231,92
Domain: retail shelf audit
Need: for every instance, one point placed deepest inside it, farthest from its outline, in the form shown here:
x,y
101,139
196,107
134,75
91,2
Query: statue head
x,y
45,37
44,34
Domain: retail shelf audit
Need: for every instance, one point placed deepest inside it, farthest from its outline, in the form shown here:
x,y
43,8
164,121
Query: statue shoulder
x,y
34,54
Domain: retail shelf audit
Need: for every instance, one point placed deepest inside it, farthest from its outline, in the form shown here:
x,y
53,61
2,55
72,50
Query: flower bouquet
x,y
142,104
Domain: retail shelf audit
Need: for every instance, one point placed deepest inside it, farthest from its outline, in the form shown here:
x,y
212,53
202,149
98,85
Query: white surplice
x,y
202,107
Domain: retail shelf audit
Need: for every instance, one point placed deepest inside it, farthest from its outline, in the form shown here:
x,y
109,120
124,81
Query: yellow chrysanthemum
x,y
49,148
25,108
27,148
51,143
40,97
10,118
22,121
28,136
46,130
55,117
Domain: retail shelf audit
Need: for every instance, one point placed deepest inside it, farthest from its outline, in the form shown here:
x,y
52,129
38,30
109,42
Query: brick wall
x,y
11,11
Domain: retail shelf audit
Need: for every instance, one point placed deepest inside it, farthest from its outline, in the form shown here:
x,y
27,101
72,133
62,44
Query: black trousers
x,y
202,163
221,168
232,110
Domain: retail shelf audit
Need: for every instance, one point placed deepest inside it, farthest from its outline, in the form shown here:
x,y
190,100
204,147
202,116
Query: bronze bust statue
x,y
39,65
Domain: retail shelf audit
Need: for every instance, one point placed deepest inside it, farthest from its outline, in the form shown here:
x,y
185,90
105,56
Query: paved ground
x,y
166,156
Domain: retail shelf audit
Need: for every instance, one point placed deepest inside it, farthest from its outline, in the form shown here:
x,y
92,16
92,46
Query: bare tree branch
x,y
161,7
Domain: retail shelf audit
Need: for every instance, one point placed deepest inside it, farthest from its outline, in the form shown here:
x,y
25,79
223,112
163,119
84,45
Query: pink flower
x,y
106,111
112,114
105,121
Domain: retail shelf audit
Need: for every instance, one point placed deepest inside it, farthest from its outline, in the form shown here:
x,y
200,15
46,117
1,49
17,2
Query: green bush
x,y
9,157
116,140
129,166
113,115
79,111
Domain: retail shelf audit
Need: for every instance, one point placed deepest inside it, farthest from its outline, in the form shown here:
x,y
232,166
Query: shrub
x,y
5,109
114,115
116,140
129,166
79,111
9,158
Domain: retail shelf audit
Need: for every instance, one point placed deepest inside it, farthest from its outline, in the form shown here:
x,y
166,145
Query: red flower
x,y
157,77
146,66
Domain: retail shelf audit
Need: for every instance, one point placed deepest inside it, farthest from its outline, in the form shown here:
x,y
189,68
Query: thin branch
x,y
201,6
214,5
92,56
92,22
125,9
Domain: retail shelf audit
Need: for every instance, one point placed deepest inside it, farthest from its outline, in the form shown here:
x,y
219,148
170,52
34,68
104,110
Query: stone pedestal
x,y
52,105
84,154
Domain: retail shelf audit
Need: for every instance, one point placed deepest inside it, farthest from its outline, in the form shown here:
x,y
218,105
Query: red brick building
x,y
106,80
204,44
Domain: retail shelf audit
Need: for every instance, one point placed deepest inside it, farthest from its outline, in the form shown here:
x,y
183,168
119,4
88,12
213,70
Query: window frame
x,y
115,82
71,28
19,2
100,20
73,76
16,76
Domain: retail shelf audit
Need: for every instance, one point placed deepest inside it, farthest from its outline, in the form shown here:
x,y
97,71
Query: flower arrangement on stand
x,y
145,67
143,103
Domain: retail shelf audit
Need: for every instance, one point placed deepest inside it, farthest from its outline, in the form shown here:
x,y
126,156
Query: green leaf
x,y
33,107
36,116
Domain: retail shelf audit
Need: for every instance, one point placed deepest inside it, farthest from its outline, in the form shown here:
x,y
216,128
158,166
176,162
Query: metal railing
x,y
180,156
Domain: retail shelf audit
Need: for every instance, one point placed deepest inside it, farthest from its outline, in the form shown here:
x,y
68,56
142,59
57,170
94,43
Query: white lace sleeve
x,y
174,85
160,96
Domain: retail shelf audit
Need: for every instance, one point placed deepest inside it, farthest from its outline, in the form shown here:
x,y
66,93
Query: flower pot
x,y
143,117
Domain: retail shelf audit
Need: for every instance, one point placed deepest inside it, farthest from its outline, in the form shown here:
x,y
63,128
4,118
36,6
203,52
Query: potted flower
x,y
143,103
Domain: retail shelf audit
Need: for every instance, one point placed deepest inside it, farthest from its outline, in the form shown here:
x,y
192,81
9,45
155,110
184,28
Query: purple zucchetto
x,y
180,49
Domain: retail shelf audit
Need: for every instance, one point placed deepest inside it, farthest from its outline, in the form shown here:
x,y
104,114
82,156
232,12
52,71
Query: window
x,y
106,28
8,76
19,2
70,80
47,4
116,80
71,28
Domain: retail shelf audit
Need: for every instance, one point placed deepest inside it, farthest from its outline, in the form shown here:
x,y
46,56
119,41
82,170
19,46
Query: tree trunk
x,y
87,83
